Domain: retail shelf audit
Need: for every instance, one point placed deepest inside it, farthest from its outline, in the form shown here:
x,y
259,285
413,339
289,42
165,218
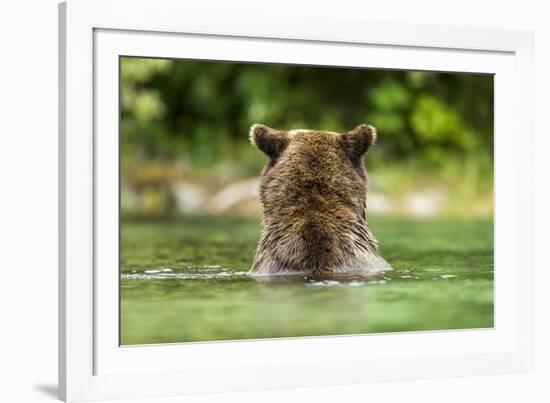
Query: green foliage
x,y
201,111
187,120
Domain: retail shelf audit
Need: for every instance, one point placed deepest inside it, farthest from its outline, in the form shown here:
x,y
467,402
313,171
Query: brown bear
x,y
313,192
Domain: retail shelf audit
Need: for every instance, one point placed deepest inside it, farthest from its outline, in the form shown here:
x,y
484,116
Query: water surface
x,y
186,281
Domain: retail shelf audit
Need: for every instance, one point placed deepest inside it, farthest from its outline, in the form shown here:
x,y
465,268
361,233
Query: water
x,y
186,281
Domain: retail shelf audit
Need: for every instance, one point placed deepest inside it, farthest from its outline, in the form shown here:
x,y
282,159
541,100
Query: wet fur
x,y
313,192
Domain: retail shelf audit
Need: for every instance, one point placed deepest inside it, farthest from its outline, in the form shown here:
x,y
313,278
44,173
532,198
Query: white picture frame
x,y
95,33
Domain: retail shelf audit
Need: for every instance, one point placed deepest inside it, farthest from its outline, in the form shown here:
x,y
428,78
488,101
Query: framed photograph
x,y
258,201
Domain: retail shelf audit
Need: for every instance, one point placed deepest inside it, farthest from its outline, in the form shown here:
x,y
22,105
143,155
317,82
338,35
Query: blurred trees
x,y
201,111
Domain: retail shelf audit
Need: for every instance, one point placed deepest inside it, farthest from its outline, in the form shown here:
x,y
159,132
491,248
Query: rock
x,y
427,203
189,199
377,203
241,198
129,200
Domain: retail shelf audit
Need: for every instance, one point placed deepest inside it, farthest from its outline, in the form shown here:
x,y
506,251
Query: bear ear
x,y
356,142
270,141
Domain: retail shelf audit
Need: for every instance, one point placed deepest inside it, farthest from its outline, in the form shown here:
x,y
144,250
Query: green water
x,y
186,281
